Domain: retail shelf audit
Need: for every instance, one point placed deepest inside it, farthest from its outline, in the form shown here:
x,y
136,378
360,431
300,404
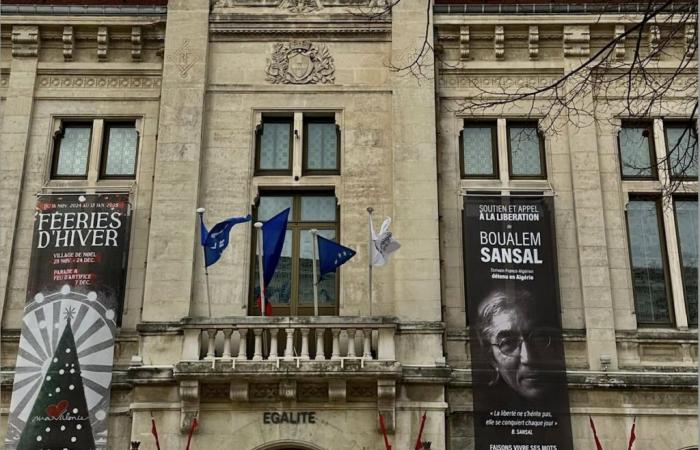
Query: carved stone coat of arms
x,y
300,62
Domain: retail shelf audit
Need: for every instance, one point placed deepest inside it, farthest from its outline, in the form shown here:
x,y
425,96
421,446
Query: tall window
x,y
274,146
479,150
526,150
119,149
297,144
482,156
662,228
649,273
321,141
72,150
95,149
682,149
636,143
686,212
291,289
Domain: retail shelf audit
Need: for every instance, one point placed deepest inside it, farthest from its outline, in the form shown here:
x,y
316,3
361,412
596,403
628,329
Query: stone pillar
x,y
172,239
417,265
14,138
588,211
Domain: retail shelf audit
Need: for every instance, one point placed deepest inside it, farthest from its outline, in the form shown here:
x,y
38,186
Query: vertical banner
x,y
518,368
75,291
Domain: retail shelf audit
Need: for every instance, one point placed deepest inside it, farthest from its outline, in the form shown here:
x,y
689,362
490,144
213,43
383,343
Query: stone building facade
x,y
200,81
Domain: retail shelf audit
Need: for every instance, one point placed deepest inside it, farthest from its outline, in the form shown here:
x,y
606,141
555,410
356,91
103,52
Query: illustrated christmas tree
x,y
60,418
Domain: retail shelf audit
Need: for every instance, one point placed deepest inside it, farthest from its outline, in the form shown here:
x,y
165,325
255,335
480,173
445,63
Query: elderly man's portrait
x,y
520,345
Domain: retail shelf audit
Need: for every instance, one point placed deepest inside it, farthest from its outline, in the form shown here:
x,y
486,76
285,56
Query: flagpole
x,y
369,256
201,211
313,263
259,225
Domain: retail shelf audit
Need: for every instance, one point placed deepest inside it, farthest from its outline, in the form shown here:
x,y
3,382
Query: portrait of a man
x,y
519,344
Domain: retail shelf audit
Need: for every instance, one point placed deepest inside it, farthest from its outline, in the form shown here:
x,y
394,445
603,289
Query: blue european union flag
x,y
332,255
273,232
215,240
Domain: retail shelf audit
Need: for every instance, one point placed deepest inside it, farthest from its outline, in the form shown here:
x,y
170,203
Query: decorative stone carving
x,y
264,392
189,403
301,6
183,59
358,392
25,40
533,41
238,391
136,43
215,392
499,42
577,40
337,390
464,42
310,392
102,43
288,389
620,44
68,43
300,62
97,82
654,38
386,403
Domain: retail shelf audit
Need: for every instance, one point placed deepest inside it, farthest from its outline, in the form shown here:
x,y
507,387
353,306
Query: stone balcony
x,y
283,359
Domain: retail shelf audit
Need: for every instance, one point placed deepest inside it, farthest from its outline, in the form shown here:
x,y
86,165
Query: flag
x,y
383,244
192,428
633,436
268,305
419,443
273,232
387,446
332,255
154,432
598,446
215,240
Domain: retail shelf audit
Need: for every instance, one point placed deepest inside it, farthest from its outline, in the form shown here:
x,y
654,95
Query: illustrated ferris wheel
x,y
94,329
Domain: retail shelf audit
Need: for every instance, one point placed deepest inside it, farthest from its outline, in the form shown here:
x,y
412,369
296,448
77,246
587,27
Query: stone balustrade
x,y
299,339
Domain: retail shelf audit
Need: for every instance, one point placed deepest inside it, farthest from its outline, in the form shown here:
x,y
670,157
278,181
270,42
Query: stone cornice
x,y
223,26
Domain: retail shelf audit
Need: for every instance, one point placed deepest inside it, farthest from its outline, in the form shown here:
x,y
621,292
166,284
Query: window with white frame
x,y
501,149
662,228
95,149
297,143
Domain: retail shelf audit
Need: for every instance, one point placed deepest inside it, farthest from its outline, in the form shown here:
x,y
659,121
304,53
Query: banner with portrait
x,y
63,375
518,369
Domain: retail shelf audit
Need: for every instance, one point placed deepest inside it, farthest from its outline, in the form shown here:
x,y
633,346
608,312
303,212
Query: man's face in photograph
x,y
520,351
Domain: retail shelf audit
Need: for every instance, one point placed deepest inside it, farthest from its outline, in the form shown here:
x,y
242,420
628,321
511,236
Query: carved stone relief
x,y
300,62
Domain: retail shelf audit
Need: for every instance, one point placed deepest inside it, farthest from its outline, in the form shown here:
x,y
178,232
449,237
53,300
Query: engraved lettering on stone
x,y
300,62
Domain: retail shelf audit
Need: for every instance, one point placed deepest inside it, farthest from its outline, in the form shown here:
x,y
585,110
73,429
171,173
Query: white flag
x,y
382,244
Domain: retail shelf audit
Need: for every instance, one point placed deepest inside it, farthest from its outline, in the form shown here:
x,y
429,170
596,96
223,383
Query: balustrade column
x,y
320,351
305,344
289,349
210,345
257,354
351,342
367,339
335,353
273,345
242,350
227,343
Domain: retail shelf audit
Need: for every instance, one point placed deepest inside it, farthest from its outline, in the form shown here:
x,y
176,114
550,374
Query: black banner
x,y
518,368
75,292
